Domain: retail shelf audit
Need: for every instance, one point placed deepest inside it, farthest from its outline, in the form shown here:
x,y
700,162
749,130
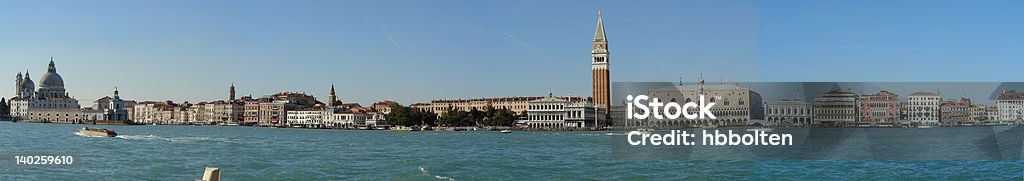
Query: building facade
x,y
734,105
49,103
306,118
789,112
879,109
838,107
923,108
1010,104
515,104
562,112
955,112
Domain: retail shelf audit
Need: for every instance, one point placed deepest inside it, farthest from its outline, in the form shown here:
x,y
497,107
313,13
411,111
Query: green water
x,y
247,153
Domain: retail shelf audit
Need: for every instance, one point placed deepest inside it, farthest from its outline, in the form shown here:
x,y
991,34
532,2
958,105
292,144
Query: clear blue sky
x,y
415,51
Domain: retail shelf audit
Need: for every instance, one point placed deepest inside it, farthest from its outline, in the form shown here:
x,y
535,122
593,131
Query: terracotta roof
x,y
386,103
1011,94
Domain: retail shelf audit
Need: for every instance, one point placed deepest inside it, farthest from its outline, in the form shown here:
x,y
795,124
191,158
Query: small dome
x,y
28,84
51,80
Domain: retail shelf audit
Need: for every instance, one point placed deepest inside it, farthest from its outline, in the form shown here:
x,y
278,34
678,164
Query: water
x,y
247,153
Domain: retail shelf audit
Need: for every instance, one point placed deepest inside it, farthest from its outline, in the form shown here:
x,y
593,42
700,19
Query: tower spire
x,y
52,67
332,98
232,92
599,33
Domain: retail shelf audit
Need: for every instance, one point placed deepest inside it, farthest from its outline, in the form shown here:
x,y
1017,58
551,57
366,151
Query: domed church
x,y
49,103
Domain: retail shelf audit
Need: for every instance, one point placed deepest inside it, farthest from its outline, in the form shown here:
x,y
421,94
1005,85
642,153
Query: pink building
x,y
879,109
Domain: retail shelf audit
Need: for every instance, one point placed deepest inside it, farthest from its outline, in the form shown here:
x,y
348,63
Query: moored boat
x,y
506,131
97,132
403,128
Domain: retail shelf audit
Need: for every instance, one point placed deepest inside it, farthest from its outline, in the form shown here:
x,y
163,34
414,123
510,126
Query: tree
x,y
502,117
5,109
475,117
407,116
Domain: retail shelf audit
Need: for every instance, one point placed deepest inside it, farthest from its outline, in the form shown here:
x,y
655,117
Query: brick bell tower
x,y
599,68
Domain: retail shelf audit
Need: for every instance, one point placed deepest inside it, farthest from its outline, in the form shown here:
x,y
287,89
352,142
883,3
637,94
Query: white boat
x,y
506,131
924,126
97,132
761,129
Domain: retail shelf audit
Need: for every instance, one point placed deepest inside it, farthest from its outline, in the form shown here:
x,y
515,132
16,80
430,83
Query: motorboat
x,y
506,131
97,132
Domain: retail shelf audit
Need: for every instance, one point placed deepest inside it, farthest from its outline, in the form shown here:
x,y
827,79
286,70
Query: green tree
x,y
475,117
454,117
401,116
5,109
502,117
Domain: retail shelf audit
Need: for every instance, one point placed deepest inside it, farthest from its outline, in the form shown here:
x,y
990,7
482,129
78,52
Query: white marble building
x,y
789,112
923,108
561,112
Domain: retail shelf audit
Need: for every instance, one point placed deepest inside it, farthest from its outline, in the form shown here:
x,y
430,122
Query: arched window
x,y
726,101
741,101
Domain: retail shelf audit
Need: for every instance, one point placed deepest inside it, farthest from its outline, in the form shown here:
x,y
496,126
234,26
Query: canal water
x,y
248,153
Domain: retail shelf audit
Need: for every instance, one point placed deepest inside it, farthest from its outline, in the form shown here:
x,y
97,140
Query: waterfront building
x,y
104,104
789,112
274,112
599,65
734,105
955,112
879,109
357,118
219,112
562,112
838,107
155,112
384,107
50,103
115,111
992,113
305,118
1010,104
924,108
251,109
515,104
978,113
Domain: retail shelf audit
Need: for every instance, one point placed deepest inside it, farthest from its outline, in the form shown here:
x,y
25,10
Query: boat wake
x,y
90,136
171,139
425,172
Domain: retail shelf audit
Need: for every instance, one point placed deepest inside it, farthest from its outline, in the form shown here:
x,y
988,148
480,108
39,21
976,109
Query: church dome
x,y
51,80
28,84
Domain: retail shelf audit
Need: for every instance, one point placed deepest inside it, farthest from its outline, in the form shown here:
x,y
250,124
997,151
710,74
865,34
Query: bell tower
x,y
231,92
599,69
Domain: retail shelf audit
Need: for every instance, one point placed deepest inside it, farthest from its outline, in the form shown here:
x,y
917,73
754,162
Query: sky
x,y
417,51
